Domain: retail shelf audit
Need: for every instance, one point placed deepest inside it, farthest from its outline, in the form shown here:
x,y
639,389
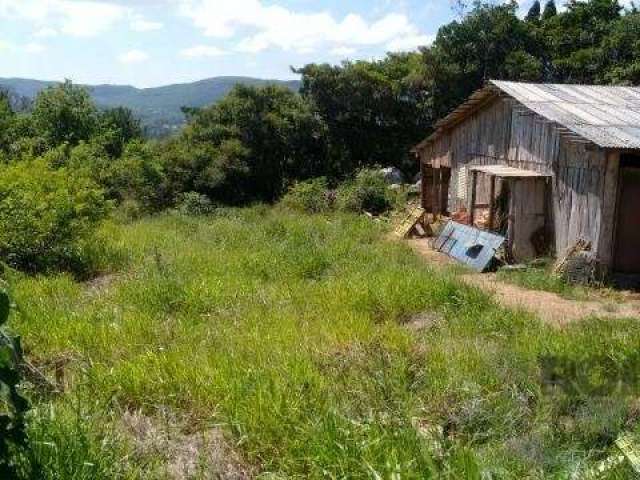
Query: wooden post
x,y
511,227
492,209
436,191
472,201
546,211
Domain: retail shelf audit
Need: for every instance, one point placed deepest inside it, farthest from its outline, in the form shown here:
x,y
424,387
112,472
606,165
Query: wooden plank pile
x,y
412,224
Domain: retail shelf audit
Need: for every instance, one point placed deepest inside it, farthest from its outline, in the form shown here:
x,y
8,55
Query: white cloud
x,y
34,48
273,26
411,42
133,56
343,51
46,32
202,51
86,19
82,18
139,24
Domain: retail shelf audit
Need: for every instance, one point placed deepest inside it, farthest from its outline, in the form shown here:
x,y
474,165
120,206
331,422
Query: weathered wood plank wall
x,y
584,178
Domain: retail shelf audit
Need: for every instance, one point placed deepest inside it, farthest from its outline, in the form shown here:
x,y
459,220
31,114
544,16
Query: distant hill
x,y
158,108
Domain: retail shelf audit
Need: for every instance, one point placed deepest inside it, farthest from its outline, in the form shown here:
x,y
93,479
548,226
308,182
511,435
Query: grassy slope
x,y
288,330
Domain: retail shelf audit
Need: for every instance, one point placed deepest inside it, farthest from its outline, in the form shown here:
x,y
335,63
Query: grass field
x,y
320,349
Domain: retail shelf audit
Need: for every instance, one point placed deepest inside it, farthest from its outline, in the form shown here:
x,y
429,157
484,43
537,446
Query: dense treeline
x,y
69,163
364,113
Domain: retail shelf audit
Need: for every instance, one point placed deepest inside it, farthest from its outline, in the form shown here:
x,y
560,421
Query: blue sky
x,y
158,42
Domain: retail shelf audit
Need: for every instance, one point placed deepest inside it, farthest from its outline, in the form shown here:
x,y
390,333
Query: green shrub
x,y
312,196
194,203
137,175
13,406
129,210
368,192
46,215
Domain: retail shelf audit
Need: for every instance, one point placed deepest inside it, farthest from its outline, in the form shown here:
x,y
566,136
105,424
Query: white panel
x,y
462,183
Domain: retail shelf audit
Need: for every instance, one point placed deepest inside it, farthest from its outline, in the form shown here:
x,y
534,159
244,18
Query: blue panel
x,y
475,248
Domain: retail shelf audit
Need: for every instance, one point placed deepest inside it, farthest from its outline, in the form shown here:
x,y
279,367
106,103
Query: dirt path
x,y
549,307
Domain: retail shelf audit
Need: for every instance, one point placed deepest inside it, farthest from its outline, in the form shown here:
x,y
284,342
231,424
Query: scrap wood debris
x,y
629,455
413,223
579,265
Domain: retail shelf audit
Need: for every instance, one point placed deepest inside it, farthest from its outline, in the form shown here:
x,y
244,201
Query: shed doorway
x,y
525,212
627,254
435,189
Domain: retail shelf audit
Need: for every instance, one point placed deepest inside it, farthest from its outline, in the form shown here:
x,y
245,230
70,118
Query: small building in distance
x,y
548,166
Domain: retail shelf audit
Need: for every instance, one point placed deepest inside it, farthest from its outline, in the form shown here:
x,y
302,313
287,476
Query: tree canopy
x,y
372,110
64,114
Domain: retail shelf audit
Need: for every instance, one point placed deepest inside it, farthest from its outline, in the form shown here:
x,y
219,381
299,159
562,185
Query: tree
x,y
533,15
7,122
246,147
374,111
549,11
490,42
621,51
574,40
64,114
116,128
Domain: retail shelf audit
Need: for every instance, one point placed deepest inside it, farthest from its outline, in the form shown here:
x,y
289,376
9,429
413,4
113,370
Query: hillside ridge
x,y
159,108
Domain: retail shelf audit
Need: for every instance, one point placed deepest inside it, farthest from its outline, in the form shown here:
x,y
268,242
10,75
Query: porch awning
x,y
504,171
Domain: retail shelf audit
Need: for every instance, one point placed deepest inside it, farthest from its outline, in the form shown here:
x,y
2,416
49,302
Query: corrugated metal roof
x,y
607,116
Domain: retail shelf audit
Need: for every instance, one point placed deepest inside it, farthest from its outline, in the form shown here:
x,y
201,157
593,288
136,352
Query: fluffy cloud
x,y
410,42
139,24
202,51
80,18
276,26
133,56
34,48
343,51
86,19
45,32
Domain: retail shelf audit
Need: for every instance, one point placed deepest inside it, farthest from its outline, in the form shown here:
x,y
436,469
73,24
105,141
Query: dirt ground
x,y
549,307
205,455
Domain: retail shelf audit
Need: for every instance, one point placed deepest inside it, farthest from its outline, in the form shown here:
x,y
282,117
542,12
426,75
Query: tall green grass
x,y
289,331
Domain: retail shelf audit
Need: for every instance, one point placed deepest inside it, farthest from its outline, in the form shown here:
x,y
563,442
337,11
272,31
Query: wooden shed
x,y
547,165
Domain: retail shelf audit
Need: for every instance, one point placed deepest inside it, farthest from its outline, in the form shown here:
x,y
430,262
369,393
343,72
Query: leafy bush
x,y
46,215
368,192
137,175
128,210
194,203
312,196
12,405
